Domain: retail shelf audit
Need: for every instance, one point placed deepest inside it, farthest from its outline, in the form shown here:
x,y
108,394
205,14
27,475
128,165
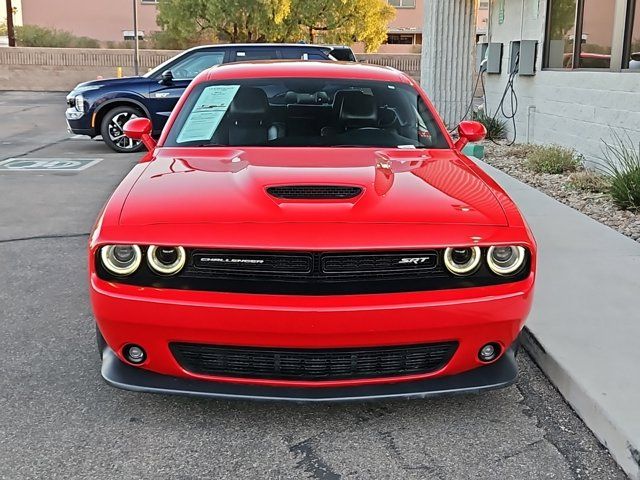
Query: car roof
x,y
301,69
271,45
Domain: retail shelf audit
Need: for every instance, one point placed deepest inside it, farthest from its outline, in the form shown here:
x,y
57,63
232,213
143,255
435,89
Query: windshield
x,y
282,112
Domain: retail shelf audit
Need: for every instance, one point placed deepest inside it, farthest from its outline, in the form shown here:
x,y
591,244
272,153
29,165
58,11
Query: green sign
x,y
501,12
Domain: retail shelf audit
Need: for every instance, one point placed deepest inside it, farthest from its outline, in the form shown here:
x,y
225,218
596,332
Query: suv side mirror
x,y
470,131
140,129
167,77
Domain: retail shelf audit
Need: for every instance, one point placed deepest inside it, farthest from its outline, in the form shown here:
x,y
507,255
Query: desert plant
x,y
521,150
590,181
36,36
496,128
621,163
553,159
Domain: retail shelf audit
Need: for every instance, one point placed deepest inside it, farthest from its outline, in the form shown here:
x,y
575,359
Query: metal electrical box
x,y
494,58
481,53
522,57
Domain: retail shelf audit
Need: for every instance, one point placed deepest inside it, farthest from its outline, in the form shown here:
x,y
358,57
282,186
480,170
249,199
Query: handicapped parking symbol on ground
x,y
48,164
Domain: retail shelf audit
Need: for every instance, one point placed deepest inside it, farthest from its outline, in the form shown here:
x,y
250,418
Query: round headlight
x,y
166,260
121,259
462,261
506,260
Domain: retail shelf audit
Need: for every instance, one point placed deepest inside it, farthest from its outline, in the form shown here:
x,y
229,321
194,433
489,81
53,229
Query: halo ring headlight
x,y
506,260
121,259
166,260
462,261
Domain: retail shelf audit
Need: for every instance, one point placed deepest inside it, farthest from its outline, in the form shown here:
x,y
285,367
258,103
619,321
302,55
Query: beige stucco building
x,y
104,20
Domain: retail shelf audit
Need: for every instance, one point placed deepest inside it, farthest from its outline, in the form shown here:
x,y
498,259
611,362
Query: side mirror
x,y
470,131
167,78
140,129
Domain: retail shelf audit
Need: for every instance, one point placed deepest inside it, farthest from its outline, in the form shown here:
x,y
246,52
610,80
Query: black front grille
x,y
312,273
314,192
316,364
407,262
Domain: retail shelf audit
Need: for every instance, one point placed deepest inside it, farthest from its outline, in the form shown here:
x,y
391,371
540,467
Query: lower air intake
x,y
308,364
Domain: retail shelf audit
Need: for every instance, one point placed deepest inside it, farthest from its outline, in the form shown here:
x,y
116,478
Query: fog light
x,y
489,352
134,353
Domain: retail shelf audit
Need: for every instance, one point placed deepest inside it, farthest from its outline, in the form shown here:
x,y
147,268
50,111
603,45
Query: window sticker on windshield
x,y
207,113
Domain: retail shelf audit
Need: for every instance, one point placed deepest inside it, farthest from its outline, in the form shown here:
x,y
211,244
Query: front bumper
x,y
500,374
79,125
154,317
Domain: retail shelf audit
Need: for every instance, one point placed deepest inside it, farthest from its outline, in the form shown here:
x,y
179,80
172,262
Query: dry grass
x,y
589,181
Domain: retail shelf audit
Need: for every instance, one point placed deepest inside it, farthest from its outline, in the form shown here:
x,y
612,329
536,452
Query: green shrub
x,y
589,181
496,128
36,36
3,29
522,150
622,166
553,159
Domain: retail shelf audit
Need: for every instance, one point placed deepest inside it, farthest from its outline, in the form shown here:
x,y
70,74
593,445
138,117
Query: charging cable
x,y
512,97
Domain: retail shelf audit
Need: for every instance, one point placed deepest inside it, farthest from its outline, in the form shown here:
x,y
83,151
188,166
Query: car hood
x,y
224,185
108,82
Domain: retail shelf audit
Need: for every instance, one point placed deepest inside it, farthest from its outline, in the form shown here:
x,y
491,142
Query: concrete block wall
x,y
577,109
61,69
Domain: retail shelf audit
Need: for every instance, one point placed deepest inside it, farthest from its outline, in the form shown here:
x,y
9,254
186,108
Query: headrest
x,y
359,110
249,101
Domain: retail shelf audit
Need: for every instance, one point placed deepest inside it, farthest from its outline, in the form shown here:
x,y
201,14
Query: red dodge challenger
x,y
309,231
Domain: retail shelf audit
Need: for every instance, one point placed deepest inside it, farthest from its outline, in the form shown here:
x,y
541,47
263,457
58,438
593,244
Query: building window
x,y
149,2
403,3
400,39
631,58
579,34
129,35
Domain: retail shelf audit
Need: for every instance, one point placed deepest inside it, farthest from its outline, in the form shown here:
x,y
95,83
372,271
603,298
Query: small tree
x,y
277,20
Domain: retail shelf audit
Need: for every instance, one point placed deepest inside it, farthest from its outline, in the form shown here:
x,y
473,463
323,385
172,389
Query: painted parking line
x,y
47,164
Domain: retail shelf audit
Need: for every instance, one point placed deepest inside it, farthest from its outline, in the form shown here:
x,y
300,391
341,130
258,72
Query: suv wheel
x,y
112,130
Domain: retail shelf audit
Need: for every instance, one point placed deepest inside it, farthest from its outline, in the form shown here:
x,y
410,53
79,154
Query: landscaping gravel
x,y
597,205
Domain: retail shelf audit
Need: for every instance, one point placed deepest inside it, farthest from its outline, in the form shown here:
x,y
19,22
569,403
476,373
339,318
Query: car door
x,y
164,96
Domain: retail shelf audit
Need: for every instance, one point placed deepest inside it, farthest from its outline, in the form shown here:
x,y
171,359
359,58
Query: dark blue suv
x,y
102,107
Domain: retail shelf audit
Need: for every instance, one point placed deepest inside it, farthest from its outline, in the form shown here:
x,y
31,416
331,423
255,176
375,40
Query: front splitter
x,y
500,374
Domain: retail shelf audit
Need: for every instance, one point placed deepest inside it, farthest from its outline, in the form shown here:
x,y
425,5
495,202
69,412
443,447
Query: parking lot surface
x,y
58,419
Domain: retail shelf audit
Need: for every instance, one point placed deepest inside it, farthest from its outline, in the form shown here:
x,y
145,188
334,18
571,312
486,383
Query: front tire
x,y
112,130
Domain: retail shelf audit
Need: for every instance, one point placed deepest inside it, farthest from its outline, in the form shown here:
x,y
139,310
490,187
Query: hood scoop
x,y
314,192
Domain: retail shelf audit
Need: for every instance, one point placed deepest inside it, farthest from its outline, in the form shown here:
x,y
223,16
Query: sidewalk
x,y
584,329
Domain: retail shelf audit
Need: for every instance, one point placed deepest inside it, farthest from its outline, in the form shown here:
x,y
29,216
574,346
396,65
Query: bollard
x,y
119,72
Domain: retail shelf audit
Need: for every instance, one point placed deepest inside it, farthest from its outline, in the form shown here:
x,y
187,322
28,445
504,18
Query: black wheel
x,y
112,131
102,344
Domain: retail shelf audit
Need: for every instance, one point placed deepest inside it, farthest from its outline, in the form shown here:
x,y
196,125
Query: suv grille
x,y
314,192
304,364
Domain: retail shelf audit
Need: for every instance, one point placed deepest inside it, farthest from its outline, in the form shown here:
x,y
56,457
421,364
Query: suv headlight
x,y
462,261
166,260
79,103
506,260
121,259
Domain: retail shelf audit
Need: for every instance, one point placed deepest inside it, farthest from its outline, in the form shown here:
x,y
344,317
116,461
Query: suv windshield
x,y
284,112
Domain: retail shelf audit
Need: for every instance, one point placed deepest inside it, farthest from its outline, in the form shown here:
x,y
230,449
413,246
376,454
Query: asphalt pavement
x,y
58,419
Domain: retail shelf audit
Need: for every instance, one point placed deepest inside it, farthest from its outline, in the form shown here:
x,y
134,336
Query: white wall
x,y
577,109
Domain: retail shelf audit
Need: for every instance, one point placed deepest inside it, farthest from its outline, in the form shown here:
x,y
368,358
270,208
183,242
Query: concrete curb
x,y
611,434
584,326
